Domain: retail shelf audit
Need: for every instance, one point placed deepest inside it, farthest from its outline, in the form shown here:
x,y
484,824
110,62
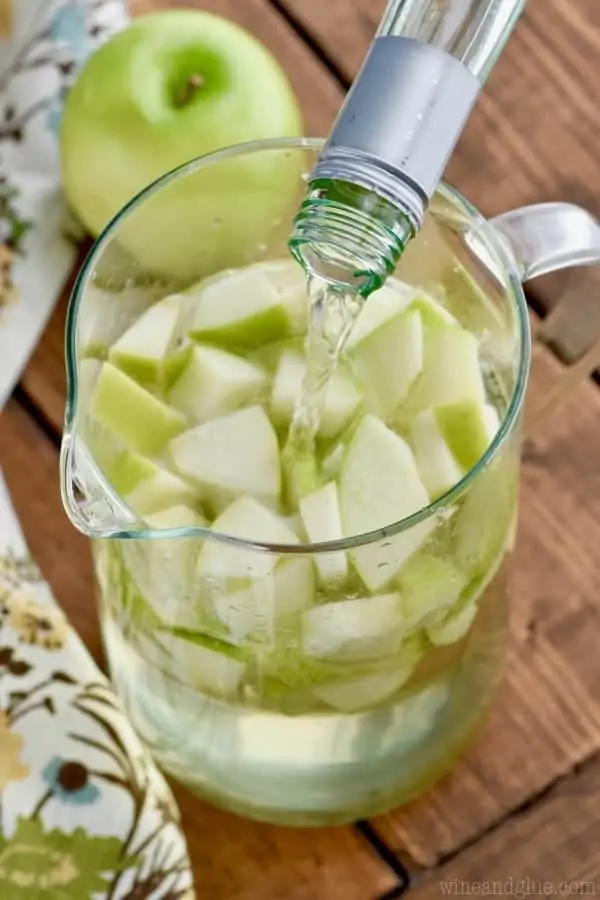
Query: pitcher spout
x,y
91,504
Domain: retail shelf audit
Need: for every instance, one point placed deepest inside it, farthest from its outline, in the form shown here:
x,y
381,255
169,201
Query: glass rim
x,y
437,507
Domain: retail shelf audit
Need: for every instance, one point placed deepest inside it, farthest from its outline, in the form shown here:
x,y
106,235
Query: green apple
x,y
384,304
257,607
389,360
104,315
379,484
451,369
375,687
153,350
245,518
436,463
230,456
320,513
200,665
134,415
454,626
429,585
469,427
144,485
214,383
170,87
241,309
361,629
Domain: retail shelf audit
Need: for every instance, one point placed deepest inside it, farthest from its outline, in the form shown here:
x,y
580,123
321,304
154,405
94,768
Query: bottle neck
x,y
382,162
349,235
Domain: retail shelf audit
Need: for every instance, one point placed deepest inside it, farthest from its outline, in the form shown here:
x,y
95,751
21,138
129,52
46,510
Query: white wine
x,y
289,685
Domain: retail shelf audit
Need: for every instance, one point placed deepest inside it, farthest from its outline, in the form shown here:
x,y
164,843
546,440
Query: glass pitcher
x,y
226,672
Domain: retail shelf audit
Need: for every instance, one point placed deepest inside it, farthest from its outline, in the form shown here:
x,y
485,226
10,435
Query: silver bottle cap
x,y
400,123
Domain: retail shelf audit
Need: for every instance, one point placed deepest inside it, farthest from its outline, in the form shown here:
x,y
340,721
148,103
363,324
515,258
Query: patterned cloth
x,y
43,43
84,812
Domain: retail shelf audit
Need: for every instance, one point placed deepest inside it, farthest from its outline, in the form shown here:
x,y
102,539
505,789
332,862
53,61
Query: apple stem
x,y
186,92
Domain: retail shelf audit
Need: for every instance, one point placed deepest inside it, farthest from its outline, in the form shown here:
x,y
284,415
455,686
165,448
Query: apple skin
x,y
171,87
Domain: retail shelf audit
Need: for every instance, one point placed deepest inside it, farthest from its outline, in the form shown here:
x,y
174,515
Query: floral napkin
x,y
42,45
85,814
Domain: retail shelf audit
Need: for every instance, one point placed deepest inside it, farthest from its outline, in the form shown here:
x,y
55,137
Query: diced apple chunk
x,y
389,360
362,629
433,314
288,589
332,462
360,693
428,585
380,306
164,568
142,421
214,383
341,401
153,345
202,666
104,315
294,585
369,690
454,626
436,463
451,370
239,309
485,519
245,518
233,455
144,485
289,280
176,516
320,514
469,427
161,490
379,486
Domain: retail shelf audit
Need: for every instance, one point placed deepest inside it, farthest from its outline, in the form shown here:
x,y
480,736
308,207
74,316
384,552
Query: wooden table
x,y
525,803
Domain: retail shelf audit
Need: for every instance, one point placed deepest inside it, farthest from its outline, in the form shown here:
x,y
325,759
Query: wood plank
x,y
535,134
550,849
233,859
546,718
536,732
239,860
44,378
30,466
551,626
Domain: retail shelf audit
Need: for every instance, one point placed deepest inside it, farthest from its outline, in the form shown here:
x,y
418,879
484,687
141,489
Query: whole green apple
x,y
173,86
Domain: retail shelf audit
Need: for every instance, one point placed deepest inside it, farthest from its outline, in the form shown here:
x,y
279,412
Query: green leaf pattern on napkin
x,y
84,813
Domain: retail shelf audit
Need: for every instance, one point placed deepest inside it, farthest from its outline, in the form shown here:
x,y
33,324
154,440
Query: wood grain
x,y
232,858
44,378
547,715
239,860
30,466
6,18
535,134
550,849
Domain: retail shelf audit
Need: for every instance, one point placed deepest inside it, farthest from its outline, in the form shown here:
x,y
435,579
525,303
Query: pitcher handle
x,y
541,239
